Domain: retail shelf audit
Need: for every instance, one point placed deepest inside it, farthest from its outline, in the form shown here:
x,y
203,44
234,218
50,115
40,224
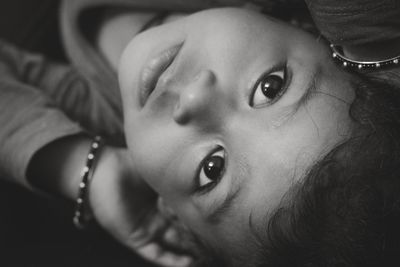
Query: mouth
x,y
153,70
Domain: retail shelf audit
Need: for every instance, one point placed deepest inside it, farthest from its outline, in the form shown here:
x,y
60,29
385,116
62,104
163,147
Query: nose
x,y
197,100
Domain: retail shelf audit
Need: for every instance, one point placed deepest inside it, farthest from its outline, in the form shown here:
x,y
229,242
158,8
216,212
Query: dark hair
x,y
346,211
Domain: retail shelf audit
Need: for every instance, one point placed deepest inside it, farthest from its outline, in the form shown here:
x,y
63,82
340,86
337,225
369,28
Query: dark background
x,y
32,25
38,231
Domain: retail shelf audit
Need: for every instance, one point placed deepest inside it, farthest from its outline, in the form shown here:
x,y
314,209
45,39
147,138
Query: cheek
x,y
158,152
148,149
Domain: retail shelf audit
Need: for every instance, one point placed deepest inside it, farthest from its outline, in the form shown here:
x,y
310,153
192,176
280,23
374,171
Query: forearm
x,y
56,168
28,121
42,107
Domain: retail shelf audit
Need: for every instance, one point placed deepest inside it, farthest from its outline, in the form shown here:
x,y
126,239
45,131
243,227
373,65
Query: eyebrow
x,y
222,210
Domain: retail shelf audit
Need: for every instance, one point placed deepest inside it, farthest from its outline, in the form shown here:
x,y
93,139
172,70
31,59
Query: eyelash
x,y
211,185
284,86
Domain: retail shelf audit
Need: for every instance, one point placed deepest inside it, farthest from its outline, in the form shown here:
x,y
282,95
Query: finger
x,y
171,237
179,241
155,253
148,232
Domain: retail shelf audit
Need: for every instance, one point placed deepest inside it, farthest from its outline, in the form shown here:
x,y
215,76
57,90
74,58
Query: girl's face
x,y
225,110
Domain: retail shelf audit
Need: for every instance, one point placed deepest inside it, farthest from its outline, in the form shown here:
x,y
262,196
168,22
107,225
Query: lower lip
x,y
153,70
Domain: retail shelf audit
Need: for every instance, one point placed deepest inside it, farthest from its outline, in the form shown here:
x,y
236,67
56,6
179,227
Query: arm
x,y
121,203
42,145
29,120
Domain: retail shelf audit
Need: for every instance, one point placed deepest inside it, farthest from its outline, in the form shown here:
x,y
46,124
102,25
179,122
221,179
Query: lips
x,y
152,71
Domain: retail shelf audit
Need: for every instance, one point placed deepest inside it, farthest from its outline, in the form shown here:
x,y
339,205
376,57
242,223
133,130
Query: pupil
x,y
213,167
272,85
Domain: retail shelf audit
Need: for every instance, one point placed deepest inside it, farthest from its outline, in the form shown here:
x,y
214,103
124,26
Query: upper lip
x,y
152,71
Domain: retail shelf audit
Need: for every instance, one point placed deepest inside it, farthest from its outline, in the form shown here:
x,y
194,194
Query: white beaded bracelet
x,y
81,216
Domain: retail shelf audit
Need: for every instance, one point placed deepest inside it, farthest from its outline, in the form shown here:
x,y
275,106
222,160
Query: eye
x,y
211,171
268,89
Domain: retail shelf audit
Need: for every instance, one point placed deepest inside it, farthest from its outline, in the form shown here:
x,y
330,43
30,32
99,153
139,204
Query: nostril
x,y
207,76
179,115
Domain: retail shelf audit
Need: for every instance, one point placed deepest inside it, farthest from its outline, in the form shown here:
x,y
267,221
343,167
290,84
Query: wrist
x,y
83,212
373,51
55,169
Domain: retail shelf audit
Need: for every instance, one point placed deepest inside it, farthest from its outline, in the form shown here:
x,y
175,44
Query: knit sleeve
x,y
357,22
41,102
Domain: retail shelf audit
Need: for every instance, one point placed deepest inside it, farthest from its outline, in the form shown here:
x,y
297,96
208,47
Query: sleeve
x,y
39,103
356,22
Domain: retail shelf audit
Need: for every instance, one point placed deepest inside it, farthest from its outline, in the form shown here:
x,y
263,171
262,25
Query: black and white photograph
x,y
200,133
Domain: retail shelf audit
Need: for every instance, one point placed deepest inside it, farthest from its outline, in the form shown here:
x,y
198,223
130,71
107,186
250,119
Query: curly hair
x,y
346,210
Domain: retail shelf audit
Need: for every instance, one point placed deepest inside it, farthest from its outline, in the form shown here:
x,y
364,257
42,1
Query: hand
x,y
127,208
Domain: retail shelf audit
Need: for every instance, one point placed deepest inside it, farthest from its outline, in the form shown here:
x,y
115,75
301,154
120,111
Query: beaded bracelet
x,y
81,218
363,65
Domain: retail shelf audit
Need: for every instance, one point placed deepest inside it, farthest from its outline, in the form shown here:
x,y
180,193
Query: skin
x,y
202,103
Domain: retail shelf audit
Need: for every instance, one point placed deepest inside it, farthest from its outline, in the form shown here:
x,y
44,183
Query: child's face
x,y
245,105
